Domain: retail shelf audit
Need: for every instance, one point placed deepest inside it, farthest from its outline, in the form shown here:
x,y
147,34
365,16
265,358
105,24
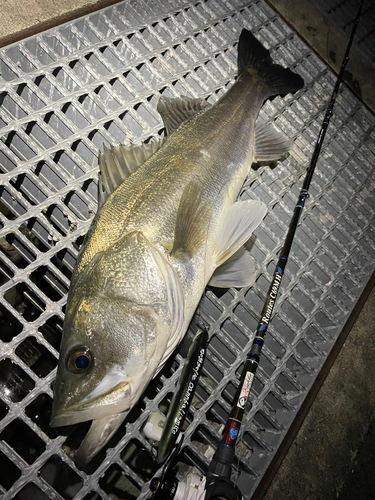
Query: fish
x,y
168,223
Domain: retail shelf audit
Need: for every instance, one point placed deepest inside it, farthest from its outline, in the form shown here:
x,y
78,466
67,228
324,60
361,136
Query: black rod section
x,y
220,464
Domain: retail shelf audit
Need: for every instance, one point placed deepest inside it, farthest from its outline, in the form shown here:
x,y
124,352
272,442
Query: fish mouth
x,y
115,401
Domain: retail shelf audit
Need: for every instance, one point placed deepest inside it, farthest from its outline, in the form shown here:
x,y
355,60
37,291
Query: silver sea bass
x,y
168,223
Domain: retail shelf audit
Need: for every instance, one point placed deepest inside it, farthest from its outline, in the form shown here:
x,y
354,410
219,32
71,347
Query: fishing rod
x,y
218,484
220,466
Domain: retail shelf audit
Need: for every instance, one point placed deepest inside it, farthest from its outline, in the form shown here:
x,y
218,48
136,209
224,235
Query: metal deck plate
x,y
97,80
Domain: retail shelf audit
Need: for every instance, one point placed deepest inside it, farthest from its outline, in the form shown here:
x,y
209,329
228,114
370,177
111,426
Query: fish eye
x,y
79,359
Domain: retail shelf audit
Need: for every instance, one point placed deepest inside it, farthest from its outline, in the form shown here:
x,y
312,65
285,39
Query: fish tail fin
x,y
252,56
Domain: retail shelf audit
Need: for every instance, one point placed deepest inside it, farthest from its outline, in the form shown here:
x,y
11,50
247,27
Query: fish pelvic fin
x,y
238,271
191,223
238,222
253,57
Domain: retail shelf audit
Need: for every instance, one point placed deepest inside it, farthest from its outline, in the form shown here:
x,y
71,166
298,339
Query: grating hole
x,y
39,136
212,370
58,219
92,495
49,176
25,301
282,329
4,408
246,317
61,477
251,442
264,423
39,411
203,437
221,351
6,163
217,414
285,386
304,351
139,460
84,152
16,250
90,107
9,325
50,284
9,472
12,203
31,492
274,402
18,146
76,204
52,331
30,447
36,357
14,382
58,125
165,403
234,333
74,115
190,457
116,484
295,368
229,393
65,80
47,88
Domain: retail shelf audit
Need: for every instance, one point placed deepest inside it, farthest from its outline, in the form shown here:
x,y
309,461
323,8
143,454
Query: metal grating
x,y
97,80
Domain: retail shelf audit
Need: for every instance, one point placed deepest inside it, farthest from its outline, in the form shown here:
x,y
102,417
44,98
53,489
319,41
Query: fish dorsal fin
x,y
178,110
269,144
117,163
191,223
236,272
237,224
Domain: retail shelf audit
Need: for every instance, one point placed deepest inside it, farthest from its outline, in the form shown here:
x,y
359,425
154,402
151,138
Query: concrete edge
x,y
55,21
329,43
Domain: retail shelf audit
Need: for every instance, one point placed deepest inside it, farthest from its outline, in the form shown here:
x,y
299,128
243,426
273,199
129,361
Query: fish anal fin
x,y
191,223
237,224
117,163
178,110
269,144
238,271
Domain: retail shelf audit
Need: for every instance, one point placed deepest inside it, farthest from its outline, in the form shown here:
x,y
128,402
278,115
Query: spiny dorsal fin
x,y
237,225
238,271
178,110
191,222
119,162
269,144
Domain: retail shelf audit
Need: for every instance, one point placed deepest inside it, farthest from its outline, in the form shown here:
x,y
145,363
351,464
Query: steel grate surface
x,y
97,80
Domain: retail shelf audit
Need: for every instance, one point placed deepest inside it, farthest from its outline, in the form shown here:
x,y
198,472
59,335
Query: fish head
x,y
122,317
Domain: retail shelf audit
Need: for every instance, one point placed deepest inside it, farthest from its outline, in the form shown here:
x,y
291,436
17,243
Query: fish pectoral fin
x,y
238,271
178,110
237,225
269,144
191,223
118,162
